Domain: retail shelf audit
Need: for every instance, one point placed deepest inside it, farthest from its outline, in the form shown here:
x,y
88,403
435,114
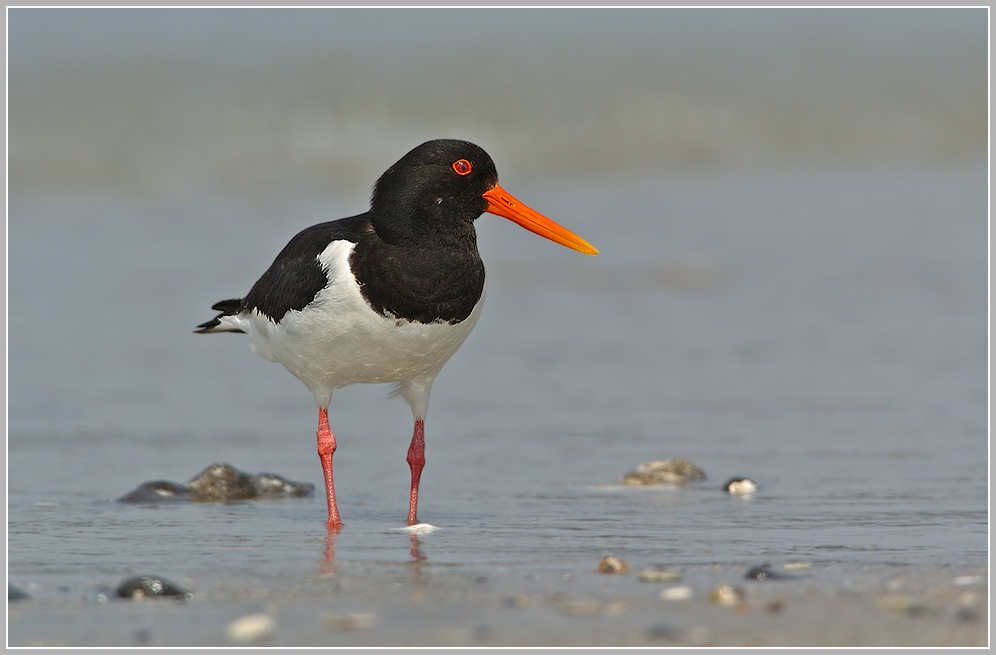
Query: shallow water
x,y
846,377
820,327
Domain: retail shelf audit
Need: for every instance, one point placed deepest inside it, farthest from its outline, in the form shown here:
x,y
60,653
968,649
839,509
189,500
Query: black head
x,y
436,191
433,189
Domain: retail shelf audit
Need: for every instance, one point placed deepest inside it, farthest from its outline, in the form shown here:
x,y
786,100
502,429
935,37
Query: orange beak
x,y
501,203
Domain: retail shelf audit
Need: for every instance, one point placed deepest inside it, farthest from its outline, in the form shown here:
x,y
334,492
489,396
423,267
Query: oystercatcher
x,y
385,296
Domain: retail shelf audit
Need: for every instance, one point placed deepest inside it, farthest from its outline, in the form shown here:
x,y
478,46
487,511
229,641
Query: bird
x,y
386,296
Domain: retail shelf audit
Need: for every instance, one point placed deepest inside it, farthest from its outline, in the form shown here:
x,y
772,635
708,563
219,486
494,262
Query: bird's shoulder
x,y
296,276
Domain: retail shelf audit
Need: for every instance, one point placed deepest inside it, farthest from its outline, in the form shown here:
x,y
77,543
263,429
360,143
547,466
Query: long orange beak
x,y
502,203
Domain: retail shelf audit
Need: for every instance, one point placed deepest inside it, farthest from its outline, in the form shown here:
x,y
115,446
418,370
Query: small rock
x,y
519,600
151,587
797,566
896,584
612,565
15,594
966,580
659,575
966,615
581,607
665,632
664,471
726,595
271,485
967,599
350,621
762,573
158,491
219,483
251,628
765,572
683,592
740,486
905,605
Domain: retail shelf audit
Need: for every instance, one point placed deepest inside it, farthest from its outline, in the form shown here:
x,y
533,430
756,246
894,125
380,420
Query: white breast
x,y
338,339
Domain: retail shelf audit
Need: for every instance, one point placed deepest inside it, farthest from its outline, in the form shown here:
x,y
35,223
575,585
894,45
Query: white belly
x,y
339,340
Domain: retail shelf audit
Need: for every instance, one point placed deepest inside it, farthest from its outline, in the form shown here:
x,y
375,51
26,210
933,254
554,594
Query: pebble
x,y
765,572
683,592
797,566
664,471
157,491
271,485
726,595
666,632
740,486
904,605
966,580
659,575
612,565
350,621
762,573
519,600
251,628
223,482
967,599
15,594
967,615
581,607
219,483
152,587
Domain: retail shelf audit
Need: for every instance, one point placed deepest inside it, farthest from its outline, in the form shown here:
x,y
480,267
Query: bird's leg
x,y
416,460
326,446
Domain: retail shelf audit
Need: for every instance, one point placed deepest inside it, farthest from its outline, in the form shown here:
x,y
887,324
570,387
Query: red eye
x,y
462,167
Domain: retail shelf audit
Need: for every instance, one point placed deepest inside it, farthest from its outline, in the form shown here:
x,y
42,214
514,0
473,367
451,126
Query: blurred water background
x,y
791,208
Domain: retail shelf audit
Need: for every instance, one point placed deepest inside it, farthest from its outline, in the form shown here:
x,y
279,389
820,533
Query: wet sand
x,y
421,604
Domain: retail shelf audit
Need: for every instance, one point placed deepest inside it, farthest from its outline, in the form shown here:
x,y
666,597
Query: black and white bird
x,y
385,296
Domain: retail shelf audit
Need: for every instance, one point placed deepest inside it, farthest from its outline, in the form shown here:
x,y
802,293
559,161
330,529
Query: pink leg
x,y
326,446
416,460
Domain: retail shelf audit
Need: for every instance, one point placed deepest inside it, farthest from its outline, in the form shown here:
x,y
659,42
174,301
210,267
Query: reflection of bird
x,y
388,295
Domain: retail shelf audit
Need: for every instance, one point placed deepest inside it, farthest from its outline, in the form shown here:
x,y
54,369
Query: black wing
x,y
295,277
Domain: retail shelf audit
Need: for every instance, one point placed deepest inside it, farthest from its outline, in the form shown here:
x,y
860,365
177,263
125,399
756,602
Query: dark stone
x,y
967,615
15,594
765,572
219,483
665,632
152,587
157,491
270,485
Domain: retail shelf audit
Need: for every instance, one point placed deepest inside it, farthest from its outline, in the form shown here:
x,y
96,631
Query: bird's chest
x,y
341,338
423,286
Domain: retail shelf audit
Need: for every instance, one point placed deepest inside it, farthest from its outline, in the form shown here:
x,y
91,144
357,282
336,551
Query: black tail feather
x,y
226,307
231,306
